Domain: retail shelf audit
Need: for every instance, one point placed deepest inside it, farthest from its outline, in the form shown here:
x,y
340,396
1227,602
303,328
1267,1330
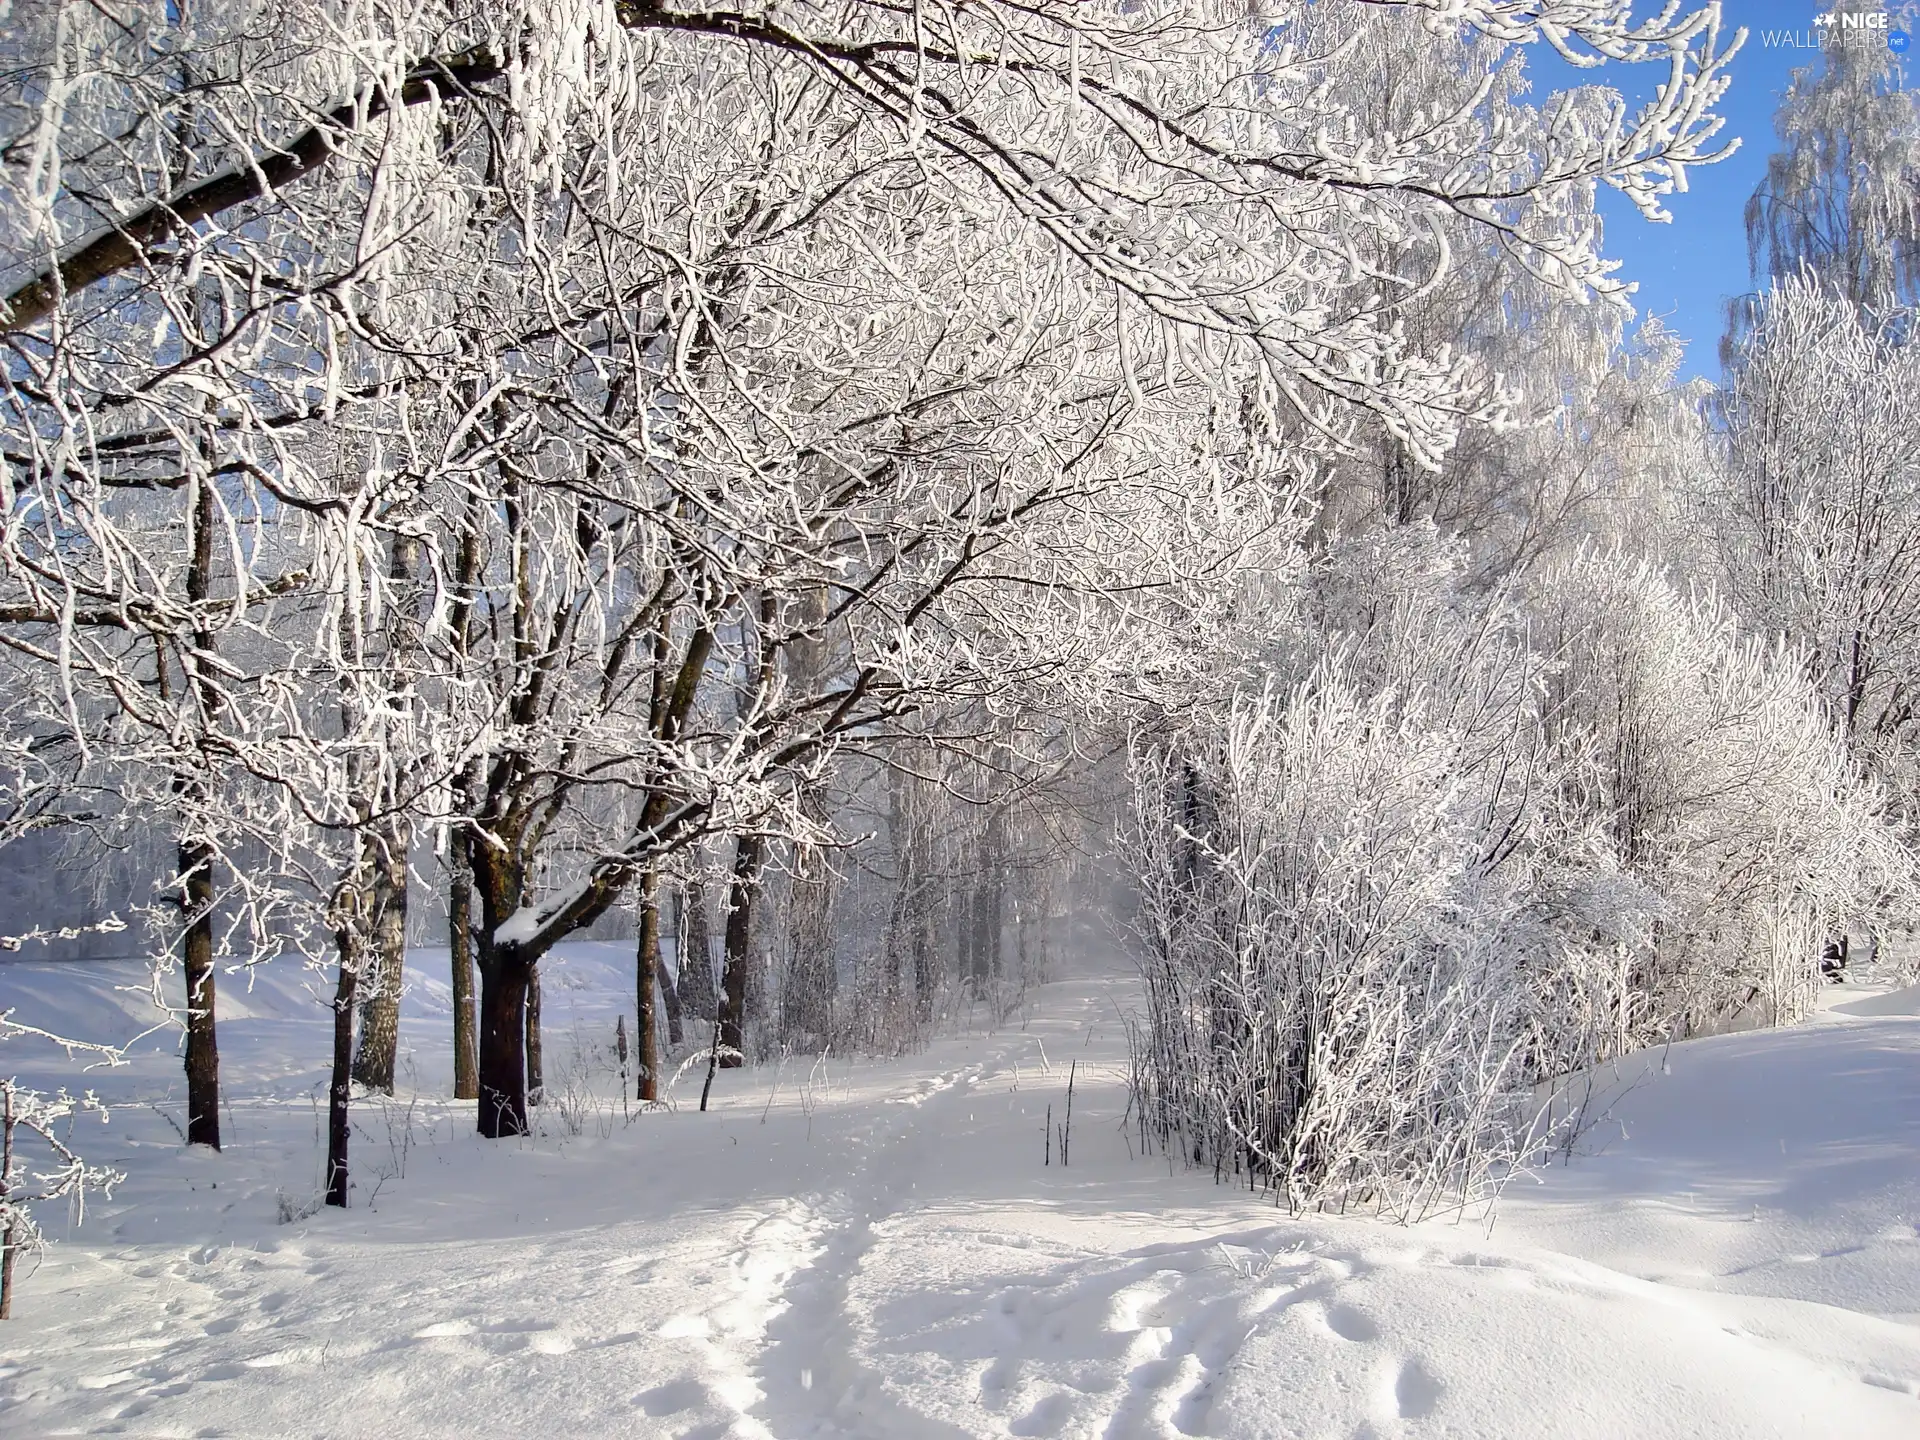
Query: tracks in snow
x,y
783,1350
812,1376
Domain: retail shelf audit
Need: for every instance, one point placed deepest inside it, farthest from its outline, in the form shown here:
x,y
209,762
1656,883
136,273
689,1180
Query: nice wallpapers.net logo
x,y
1835,30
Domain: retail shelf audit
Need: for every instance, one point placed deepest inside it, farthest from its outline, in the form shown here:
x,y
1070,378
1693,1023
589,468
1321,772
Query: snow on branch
x,y
31,1120
112,925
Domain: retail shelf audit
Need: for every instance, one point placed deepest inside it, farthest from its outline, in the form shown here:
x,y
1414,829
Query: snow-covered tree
x,y
1815,512
703,393
1841,197
1711,762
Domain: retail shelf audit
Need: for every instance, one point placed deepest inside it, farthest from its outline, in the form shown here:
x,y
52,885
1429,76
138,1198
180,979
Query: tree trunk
x,y
808,992
920,861
670,986
340,1088
203,1047
373,1064
536,1071
925,981
695,981
906,879
1397,479
646,974
992,893
503,1040
196,856
467,785
739,933
6,1189
466,1068
393,837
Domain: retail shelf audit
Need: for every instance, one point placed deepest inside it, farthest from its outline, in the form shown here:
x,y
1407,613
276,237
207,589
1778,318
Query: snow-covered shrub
x,y
1481,842
1347,885
1725,791
1330,1011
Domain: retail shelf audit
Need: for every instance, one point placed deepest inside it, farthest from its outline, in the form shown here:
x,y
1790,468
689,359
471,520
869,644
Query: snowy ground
x,y
876,1251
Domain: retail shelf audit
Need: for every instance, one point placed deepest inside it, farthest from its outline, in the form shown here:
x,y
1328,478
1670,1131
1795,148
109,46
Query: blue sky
x,y
1687,270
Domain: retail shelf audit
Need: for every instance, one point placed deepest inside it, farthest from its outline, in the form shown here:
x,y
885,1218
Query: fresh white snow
x,y
875,1250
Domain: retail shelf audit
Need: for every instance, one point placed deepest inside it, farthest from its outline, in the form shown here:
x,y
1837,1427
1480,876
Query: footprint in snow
x,y
1049,1417
1415,1391
672,1398
1351,1324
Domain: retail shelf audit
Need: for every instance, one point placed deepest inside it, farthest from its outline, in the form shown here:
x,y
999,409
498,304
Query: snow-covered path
x,y
877,1251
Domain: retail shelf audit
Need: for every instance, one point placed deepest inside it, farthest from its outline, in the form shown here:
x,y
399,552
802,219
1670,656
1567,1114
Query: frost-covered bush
x,y
1480,843
1726,793
1330,1013
1343,885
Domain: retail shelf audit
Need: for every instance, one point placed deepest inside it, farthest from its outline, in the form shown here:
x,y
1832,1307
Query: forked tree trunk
x,y
741,890
503,1042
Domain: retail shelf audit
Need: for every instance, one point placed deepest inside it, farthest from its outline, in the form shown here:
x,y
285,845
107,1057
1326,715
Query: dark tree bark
x,y
340,1087
466,787
6,1172
136,236
646,976
741,890
196,857
203,1044
503,1041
